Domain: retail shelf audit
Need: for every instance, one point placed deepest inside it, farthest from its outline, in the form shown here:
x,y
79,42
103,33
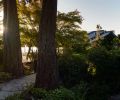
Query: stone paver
x,y
15,86
116,97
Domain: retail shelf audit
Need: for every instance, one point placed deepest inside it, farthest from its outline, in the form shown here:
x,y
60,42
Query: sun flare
x,y
1,22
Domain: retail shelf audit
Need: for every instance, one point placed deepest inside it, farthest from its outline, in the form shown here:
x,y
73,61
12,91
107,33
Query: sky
x,y
103,12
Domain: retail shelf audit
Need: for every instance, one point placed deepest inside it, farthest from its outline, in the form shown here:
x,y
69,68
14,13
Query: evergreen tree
x,y
11,40
47,71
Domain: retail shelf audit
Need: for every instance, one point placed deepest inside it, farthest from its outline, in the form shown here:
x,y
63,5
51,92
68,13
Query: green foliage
x,y
98,92
107,65
29,23
15,97
80,91
72,69
39,93
5,76
80,43
57,94
69,34
99,57
62,94
70,17
109,42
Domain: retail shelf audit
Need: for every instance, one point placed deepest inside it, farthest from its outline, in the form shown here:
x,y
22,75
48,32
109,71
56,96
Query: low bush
x,y
57,94
80,91
98,92
41,94
62,94
72,69
15,97
107,64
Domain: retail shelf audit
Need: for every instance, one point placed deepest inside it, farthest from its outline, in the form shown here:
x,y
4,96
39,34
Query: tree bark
x,y
47,71
11,38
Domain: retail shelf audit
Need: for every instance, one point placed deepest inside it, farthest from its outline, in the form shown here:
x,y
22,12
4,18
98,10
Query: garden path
x,y
15,86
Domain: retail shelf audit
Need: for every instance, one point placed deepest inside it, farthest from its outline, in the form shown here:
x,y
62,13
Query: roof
x,y
102,34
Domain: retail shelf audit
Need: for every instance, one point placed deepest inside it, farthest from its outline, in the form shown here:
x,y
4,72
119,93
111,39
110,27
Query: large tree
x,y
11,38
29,25
69,34
47,71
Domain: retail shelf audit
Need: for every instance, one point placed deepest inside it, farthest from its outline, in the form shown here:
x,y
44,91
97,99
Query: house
x,y
99,34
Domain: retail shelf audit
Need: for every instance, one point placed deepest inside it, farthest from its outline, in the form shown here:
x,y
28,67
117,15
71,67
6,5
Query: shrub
x,y
99,57
98,92
62,94
39,93
80,90
104,63
72,69
107,65
15,97
57,94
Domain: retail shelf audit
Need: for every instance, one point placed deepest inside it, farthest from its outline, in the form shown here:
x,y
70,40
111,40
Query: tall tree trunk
x,y
11,37
47,71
